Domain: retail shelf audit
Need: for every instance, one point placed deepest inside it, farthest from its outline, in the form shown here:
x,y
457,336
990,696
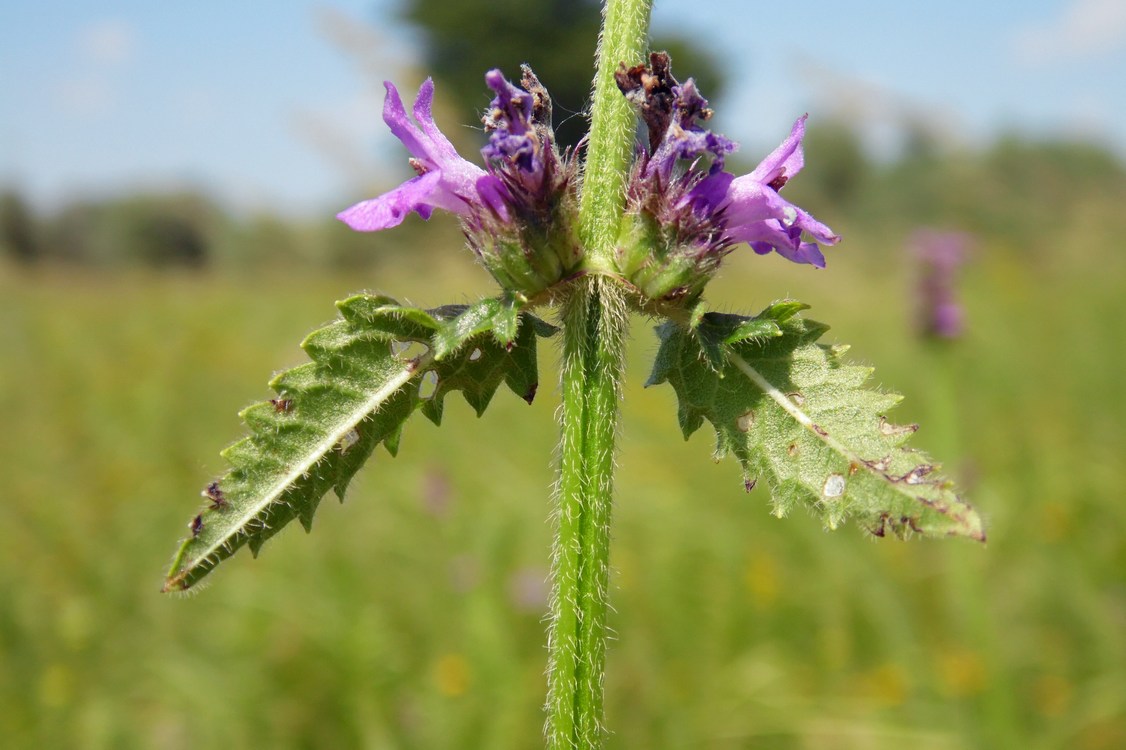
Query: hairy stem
x,y
594,318
594,324
625,32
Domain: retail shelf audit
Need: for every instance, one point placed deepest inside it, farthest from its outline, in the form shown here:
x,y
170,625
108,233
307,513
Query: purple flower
x,y
939,255
521,150
684,138
751,209
517,212
689,212
509,122
444,180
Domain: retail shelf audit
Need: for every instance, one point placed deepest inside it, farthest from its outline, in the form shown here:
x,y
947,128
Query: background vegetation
x,y
135,327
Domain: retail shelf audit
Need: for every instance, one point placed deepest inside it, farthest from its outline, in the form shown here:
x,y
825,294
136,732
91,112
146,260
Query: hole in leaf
x,y
408,350
428,385
745,421
834,486
350,438
474,355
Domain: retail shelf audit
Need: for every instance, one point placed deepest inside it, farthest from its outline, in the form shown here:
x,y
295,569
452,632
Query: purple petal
x,y
440,146
816,229
396,118
764,236
493,194
710,192
749,200
785,161
389,209
444,180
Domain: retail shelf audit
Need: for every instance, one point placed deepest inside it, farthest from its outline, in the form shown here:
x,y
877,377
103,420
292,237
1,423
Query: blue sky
x,y
255,101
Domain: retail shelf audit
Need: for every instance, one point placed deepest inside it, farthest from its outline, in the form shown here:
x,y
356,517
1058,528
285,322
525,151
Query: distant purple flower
x,y
938,256
445,180
528,589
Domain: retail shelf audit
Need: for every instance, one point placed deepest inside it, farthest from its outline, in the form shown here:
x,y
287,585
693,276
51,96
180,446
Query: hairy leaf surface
x,y
365,379
793,413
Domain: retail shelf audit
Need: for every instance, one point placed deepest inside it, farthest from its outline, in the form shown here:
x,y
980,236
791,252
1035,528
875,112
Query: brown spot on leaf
x,y
889,428
215,495
792,450
745,421
915,476
196,525
820,430
530,394
749,483
282,405
881,465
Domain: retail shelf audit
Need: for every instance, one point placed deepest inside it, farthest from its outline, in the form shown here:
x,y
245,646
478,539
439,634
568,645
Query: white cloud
x,y
108,42
91,90
1082,30
87,97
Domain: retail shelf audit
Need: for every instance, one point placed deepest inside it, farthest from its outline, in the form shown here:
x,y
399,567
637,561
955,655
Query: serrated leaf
x,y
793,413
499,315
331,414
479,367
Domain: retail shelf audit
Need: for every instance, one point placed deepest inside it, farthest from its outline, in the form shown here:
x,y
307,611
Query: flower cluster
x,y
680,224
517,212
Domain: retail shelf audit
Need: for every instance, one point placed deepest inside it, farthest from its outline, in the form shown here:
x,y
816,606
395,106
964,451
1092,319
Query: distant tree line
x,y
464,38
185,230
1016,192
1021,193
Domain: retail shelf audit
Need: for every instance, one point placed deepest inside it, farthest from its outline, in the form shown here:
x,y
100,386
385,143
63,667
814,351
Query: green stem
x,y
594,325
594,318
613,124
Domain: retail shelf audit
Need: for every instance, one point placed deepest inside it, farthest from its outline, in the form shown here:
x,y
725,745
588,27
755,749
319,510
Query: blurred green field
x,y
413,616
